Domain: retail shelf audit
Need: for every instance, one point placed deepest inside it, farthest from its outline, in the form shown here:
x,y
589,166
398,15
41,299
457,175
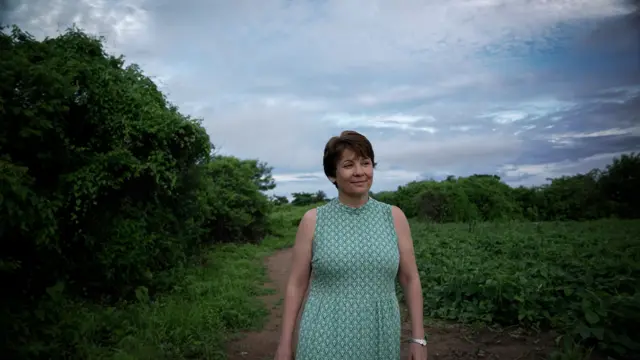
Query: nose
x,y
359,170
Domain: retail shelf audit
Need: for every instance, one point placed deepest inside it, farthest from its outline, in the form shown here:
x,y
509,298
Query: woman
x,y
350,251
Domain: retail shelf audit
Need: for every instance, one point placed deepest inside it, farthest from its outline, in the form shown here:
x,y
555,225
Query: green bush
x,y
105,187
613,192
444,202
236,210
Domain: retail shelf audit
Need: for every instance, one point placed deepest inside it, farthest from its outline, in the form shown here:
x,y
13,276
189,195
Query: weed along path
x,y
259,345
446,341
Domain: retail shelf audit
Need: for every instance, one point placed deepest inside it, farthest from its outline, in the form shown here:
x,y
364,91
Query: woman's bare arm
x,y
298,277
408,273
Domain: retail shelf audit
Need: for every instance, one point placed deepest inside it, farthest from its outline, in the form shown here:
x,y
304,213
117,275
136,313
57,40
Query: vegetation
x,y
612,192
304,199
109,193
124,236
492,253
580,278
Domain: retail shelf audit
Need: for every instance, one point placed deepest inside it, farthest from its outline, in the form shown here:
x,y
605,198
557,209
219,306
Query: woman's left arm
x,y
408,273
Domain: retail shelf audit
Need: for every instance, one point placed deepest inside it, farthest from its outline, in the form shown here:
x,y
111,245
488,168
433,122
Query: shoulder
x,y
324,208
309,217
397,213
306,227
399,220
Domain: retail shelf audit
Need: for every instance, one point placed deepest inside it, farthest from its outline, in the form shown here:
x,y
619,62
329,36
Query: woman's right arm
x,y
298,277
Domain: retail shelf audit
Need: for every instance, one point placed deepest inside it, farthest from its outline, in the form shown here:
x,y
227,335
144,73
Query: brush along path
x,y
446,341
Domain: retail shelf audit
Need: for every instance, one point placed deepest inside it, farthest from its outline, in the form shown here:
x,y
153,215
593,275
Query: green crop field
x,y
578,277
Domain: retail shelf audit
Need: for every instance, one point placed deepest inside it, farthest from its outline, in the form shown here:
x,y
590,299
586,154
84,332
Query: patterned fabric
x,y
352,310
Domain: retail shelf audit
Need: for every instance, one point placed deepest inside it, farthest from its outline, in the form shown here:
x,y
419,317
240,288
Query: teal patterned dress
x,y
352,310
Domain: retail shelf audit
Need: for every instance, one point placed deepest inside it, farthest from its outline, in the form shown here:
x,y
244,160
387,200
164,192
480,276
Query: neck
x,y
353,201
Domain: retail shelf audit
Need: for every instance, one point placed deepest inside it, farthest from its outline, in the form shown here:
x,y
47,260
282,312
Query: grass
x,y
210,303
581,278
192,321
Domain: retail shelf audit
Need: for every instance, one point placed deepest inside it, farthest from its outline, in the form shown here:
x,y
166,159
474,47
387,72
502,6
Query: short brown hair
x,y
348,139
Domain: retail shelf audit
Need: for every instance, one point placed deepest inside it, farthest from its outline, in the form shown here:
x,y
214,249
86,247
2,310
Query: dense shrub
x,y
445,202
235,208
105,186
306,199
492,198
612,192
407,196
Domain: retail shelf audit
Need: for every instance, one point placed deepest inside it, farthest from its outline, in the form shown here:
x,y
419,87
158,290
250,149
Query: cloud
x,y
281,133
535,174
570,139
381,121
312,182
440,87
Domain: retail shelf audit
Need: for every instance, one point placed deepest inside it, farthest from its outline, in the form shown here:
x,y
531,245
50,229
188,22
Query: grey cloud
x,y
543,152
263,76
281,136
382,180
597,114
527,174
309,177
521,179
287,188
452,153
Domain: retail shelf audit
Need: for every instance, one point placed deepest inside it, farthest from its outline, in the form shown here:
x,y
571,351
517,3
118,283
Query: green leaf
x,y
592,317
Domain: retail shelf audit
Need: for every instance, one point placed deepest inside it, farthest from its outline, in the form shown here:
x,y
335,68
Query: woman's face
x,y
354,175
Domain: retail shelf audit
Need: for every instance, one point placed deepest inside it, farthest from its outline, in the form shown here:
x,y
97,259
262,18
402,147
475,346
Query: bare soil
x,y
446,341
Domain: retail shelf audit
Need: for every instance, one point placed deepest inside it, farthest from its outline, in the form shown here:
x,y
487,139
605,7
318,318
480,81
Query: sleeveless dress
x,y
352,310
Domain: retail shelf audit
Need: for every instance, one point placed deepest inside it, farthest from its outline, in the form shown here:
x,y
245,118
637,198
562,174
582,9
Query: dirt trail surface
x,y
446,342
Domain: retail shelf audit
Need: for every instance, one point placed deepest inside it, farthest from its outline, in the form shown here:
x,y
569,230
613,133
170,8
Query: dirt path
x,y
446,342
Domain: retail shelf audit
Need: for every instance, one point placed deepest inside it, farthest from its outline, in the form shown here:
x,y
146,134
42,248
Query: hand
x,y
417,352
283,353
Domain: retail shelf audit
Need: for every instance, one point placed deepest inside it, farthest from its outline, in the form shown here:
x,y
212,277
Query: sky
x,y
525,89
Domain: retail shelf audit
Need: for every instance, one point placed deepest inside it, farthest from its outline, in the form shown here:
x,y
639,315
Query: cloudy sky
x,y
527,89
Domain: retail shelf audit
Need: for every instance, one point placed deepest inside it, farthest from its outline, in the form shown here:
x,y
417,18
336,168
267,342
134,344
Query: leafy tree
x,y
305,199
575,197
445,202
385,196
262,176
104,187
320,196
236,210
407,196
620,185
279,200
492,198
613,192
